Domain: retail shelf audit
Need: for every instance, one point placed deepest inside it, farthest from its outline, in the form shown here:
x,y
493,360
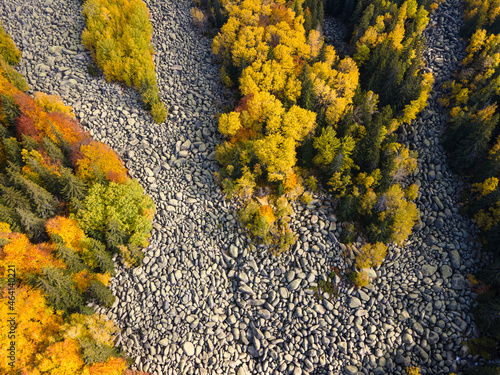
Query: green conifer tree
x,y
54,151
60,290
307,94
13,198
101,294
99,256
10,216
307,21
42,202
33,226
12,150
321,14
29,143
72,188
72,260
10,111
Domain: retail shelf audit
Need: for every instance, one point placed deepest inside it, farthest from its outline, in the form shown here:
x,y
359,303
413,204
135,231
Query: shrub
x,y
306,198
371,255
159,112
199,19
360,278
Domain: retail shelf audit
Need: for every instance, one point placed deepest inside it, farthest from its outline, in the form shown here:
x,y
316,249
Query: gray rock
x,y
233,251
417,327
351,370
188,348
430,240
246,289
446,271
264,313
458,282
283,293
294,285
354,303
433,338
428,270
363,295
407,339
455,259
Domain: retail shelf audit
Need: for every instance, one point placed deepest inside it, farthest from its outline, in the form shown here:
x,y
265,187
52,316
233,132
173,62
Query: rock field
x,y
203,302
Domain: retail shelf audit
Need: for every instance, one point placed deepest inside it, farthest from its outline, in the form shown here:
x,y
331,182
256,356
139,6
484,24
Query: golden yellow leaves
x,y
298,123
277,153
486,187
416,106
229,124
334,88
371,255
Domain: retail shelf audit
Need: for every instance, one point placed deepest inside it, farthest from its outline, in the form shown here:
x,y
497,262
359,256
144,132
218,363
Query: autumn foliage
x,y
8,49
61,265
118,35
97,162
302,104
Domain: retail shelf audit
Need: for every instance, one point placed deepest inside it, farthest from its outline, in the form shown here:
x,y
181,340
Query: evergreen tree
x,y
307,94
70,258
313,5
11,217
60,290
368,149
487,313
29,143
297,7
484,370
72,188
10,110
469,137
321,14
4,132
42,202
32,225
44,176
12,150
308,21
99,258
491,274
115,235
13,198
101,294
54,151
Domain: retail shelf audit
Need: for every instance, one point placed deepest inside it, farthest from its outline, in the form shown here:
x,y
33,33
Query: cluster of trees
x,y
481,14
118,35
473,144
66,206
305,116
